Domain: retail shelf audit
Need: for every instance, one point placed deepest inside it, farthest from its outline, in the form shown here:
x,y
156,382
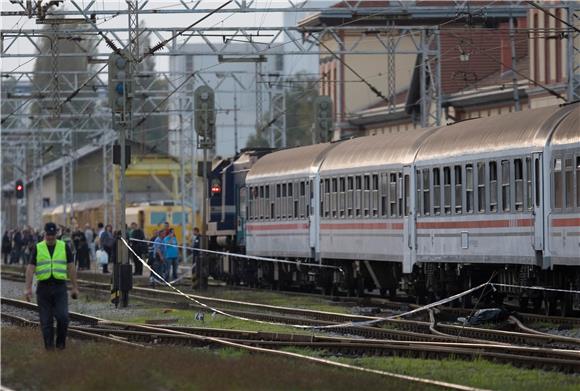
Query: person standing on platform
x,y
52,263
171,255
90,237
140,248
6,247
107,242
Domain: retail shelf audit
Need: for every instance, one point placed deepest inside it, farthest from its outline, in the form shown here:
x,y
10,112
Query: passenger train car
x,y
432,211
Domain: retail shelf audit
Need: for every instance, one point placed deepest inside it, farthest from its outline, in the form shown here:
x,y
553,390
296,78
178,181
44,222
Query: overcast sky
x,y
174,20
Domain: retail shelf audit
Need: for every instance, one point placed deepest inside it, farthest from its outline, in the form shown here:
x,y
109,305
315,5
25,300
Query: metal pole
x,y
202,258
235,119
182,181
514,76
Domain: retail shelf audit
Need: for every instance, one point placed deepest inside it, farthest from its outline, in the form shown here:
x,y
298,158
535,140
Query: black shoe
x,y
60,347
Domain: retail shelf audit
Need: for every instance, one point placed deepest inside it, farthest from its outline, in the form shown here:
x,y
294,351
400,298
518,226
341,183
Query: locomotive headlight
x,y
216,187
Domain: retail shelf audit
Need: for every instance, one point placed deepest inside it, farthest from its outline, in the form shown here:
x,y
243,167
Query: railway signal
x,y
323,122
19,188
118,83
204,100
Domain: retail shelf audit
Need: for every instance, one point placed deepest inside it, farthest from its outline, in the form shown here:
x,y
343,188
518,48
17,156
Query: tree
x,y
300,97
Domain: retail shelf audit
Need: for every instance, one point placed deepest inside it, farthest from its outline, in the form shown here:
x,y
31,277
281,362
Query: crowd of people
x,y
88,245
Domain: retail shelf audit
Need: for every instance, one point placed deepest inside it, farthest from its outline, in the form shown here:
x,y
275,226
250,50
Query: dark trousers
x,y
138,265
52,302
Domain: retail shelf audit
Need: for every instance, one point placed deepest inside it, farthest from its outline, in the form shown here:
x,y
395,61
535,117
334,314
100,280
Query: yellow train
x,y
150,216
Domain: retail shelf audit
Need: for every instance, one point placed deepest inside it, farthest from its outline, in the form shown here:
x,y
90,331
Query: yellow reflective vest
x,y
47,266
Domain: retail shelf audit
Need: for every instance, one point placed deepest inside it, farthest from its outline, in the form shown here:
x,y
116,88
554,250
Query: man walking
x,y
52,262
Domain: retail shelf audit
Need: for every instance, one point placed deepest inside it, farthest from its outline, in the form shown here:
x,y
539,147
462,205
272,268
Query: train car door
x,y
537,200
407,196
314,217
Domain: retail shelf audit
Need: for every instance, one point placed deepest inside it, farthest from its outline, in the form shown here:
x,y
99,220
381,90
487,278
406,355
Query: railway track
x,y
396,329
145,335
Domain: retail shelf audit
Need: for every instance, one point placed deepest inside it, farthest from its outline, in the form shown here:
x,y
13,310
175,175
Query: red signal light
x,y
19,187
216,189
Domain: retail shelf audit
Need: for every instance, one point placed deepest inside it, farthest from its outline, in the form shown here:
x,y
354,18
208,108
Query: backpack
x,y
107,240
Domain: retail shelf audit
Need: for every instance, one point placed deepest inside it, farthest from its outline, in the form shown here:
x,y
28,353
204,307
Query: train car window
x,y
261,202
493,187
384,194
481,187
349,195
290,192
302,198
447,190
437,191
569,183
469,188
529,205
176,218
302,189
519,183
375,195
358,196
407,199
342,197
538,182
458,190
393,194
296,199
367,195
400,187
557,184
505,185
277,201
333,197
426,192
418,197
326,197
578,181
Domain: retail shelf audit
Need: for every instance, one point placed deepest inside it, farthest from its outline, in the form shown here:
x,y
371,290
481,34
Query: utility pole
x,y
514,76
204,106
235,118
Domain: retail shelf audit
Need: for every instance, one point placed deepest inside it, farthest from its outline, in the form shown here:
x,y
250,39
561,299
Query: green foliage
x,y
300,97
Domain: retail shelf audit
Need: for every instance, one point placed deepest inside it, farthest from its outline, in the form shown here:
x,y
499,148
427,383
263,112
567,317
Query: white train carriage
x,y
500,193
562,167
282,217
365,198
476,195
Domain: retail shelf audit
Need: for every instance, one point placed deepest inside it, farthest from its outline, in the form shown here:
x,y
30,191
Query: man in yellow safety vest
x,y
52,263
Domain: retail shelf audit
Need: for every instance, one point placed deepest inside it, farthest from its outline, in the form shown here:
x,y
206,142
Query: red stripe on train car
x,y
373,226
475,224
269,227
570,222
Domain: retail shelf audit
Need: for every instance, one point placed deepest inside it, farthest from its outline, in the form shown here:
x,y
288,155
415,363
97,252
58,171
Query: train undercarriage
x,y
429,282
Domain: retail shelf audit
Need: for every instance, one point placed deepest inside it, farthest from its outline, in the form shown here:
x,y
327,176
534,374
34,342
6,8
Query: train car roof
x,y
524,129
375,151
568,130
293,162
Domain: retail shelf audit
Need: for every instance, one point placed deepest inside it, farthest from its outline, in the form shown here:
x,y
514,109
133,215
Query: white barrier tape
x,y
346,324
199,302
244,256
537,288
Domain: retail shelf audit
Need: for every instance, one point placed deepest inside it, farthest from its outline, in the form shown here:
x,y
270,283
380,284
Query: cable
x,y
536,5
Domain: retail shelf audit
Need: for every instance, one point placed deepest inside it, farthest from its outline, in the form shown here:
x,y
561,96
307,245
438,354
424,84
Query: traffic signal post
x,y
323,122
120,95
204,105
